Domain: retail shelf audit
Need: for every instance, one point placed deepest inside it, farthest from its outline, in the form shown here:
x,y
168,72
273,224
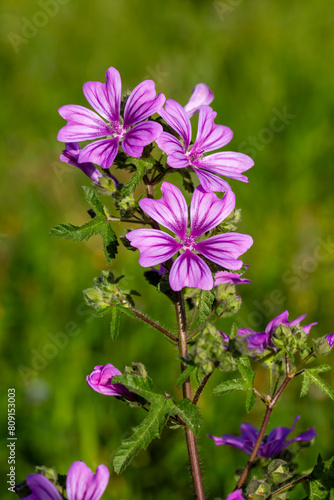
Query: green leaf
x,y
311,377
206,298
248,376
115,321
160,409
230,386
142,165
185,374
322,480
189,413
97,226
143,434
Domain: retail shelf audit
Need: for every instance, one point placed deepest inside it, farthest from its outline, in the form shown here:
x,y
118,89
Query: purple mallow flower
x,y
100,380
209,137
70,155
271,445
84,124
330,339
226,277
236,495
200,96
81,484
206,212
260,341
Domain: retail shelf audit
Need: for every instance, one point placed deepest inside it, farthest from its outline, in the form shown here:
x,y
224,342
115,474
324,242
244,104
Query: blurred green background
x,y
263,60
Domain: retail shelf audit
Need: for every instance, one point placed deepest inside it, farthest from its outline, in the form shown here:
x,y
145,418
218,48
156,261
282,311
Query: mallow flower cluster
x,y
271,445
206,212
260,341
81,484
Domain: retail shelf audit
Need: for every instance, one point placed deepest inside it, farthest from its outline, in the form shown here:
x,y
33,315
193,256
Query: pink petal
x,y
102,152
105,98
170,211
211,182
209,135
154,245
82,484
207,210
142,103
176,117
169,143
224,249
201,95
83,124
226,163
140,136
190,270
42,488
222,277
279,320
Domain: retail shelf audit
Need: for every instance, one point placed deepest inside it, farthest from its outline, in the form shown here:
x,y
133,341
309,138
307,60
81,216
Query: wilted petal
x,y
296,321
200,96
211,182
154,245
257,342
105,98
70,155
41,488
142,103
101,381
330,339
222,277
101,152
281,319
140,136
170,211
82,484
190,270
207,210
236,495
176,117
226,163
82,124
224,249
209,135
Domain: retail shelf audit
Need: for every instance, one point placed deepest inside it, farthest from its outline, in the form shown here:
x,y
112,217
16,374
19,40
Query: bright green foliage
x,y
161,408
245,383
141,165
311,377
97,226
206,298
321,482
106,297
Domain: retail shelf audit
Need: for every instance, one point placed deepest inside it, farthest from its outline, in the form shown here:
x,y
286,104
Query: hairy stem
x,y
288,486
132,221
186,387
270,406
201,387
155,325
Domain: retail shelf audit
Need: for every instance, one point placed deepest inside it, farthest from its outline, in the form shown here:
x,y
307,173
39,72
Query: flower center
x,y
116,130
193,155
188,242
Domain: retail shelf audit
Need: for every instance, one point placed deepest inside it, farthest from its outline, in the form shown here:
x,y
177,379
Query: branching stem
x,y
186,387
288,486
201,387
155,325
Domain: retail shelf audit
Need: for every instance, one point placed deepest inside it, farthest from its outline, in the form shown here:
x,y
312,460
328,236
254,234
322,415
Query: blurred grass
x,y
258,57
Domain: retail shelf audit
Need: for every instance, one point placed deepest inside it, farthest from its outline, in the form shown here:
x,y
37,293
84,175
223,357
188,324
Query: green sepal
x,y
206,299
185,374
115,321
